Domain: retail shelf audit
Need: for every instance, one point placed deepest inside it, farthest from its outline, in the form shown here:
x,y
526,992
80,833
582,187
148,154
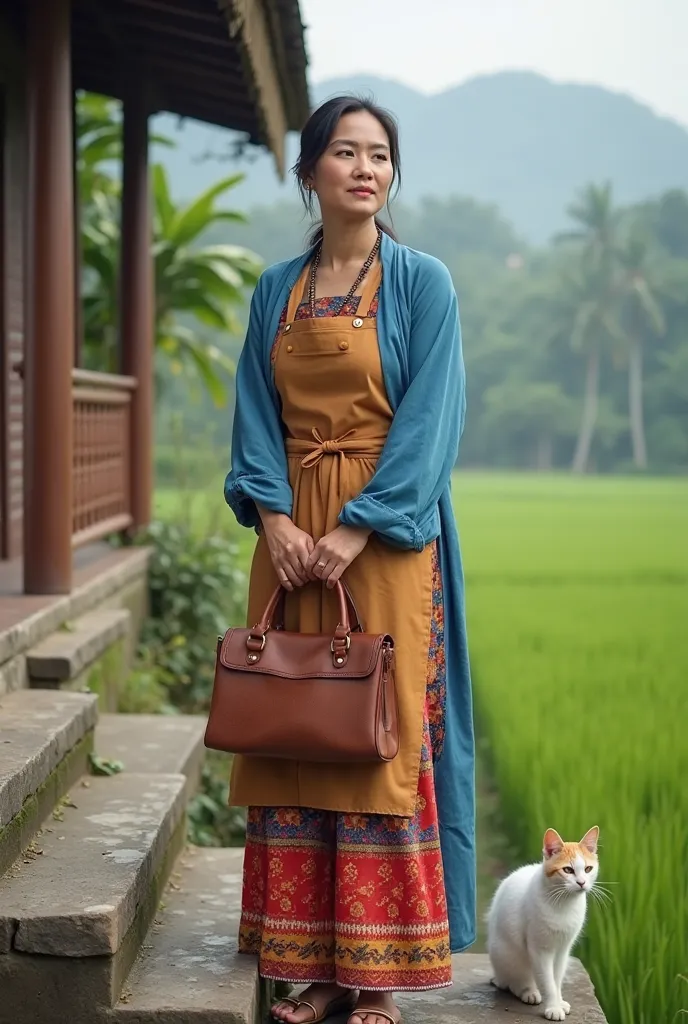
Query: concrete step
x,y
45,739
164,744
473,1000
86,655
189,969
73,913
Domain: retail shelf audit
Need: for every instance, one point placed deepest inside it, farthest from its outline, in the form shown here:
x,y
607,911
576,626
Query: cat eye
x,y
568,870
588,868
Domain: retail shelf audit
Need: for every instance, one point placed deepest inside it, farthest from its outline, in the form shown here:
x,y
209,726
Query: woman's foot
x,y
369,1002
319,996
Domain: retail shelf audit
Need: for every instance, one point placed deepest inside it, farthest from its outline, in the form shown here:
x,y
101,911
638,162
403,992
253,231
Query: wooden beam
x,y
174,69
212,111
174,9
132,21
105,528
78,248
137,301
181,52
221,71
50,307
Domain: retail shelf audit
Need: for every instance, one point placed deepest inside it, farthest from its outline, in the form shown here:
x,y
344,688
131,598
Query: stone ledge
x,y
14,675
112,574
79,990
63,655
25,826
124,567
190,968
80,897
39,728
162,744
473,1000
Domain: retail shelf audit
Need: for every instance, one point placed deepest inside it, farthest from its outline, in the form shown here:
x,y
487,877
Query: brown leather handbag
x,y
305,696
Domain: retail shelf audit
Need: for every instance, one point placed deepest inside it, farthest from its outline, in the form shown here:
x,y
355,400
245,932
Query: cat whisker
x,y
600,896
554,896
602,888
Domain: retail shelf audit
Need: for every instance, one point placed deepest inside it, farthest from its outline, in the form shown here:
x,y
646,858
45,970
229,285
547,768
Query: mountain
x,y
516,139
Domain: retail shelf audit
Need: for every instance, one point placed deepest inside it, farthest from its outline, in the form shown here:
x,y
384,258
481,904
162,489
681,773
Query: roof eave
x,y
256,28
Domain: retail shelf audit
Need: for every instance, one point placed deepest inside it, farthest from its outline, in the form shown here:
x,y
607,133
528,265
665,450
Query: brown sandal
x,y
342,1002
361,1011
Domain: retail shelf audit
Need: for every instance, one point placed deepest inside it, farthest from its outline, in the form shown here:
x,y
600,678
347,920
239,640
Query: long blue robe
x,y
408,500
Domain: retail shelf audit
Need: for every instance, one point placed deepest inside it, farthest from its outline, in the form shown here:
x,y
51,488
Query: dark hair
x,y
316,136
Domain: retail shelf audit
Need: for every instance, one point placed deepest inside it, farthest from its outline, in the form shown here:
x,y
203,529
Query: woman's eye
x,y
345,152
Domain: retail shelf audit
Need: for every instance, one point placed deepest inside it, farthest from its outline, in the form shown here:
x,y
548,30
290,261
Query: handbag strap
x,y
273,618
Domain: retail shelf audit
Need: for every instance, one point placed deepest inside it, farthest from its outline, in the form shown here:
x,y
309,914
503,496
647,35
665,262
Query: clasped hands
x,y
298,559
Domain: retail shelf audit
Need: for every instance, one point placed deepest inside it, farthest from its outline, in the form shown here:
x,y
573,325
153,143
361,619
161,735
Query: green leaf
x,y
193,219
164,207
103,766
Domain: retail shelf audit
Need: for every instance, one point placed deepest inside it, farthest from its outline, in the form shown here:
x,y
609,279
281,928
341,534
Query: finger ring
x,y
321,565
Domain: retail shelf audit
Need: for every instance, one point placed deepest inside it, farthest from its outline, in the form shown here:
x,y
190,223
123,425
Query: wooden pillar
x,y
136,302
49,303
78,249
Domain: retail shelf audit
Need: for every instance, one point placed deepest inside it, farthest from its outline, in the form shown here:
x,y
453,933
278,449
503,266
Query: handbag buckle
x,y
252,637
348,644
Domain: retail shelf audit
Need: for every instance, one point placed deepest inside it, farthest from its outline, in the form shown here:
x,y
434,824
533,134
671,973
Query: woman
x,y
350,404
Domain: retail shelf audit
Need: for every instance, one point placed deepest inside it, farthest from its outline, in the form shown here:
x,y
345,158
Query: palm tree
x,y
592,302
597,224
641,315
580,312
197,286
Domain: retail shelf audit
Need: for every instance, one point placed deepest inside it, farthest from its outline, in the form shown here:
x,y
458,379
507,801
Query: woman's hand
x,y
289,548
335,552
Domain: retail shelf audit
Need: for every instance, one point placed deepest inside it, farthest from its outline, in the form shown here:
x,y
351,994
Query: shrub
x,y
196,592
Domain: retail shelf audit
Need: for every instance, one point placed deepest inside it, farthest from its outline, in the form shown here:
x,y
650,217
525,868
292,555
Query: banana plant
x,y
197,286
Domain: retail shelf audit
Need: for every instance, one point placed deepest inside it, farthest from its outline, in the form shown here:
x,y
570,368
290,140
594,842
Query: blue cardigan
x,y
408,500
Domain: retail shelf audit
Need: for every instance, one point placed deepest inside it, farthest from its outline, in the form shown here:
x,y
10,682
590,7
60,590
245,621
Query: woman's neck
x,y
344,244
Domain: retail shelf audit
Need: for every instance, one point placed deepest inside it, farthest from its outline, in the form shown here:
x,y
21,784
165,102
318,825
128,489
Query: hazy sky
x,y
634,46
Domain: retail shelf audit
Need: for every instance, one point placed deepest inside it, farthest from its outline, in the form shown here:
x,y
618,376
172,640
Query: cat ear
x,y
552,843
590,839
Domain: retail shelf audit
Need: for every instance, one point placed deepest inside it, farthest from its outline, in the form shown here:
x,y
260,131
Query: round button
x,y
287,329
358,322
343,345
290,348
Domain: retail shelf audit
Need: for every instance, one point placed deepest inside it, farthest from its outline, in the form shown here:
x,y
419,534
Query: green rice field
x,y
578,627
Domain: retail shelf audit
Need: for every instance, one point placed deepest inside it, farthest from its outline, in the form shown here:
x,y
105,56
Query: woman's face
x,y
353,176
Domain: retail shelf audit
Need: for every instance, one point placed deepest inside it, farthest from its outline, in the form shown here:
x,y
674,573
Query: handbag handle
x,y
273,618
348,608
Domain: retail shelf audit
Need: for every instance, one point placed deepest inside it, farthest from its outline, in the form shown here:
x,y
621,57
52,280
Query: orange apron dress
x,y
343,875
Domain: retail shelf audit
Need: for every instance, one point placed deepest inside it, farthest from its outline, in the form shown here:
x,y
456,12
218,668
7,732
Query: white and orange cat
x,y
536,916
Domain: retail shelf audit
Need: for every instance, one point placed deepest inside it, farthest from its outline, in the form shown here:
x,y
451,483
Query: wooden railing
x,y
101,404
